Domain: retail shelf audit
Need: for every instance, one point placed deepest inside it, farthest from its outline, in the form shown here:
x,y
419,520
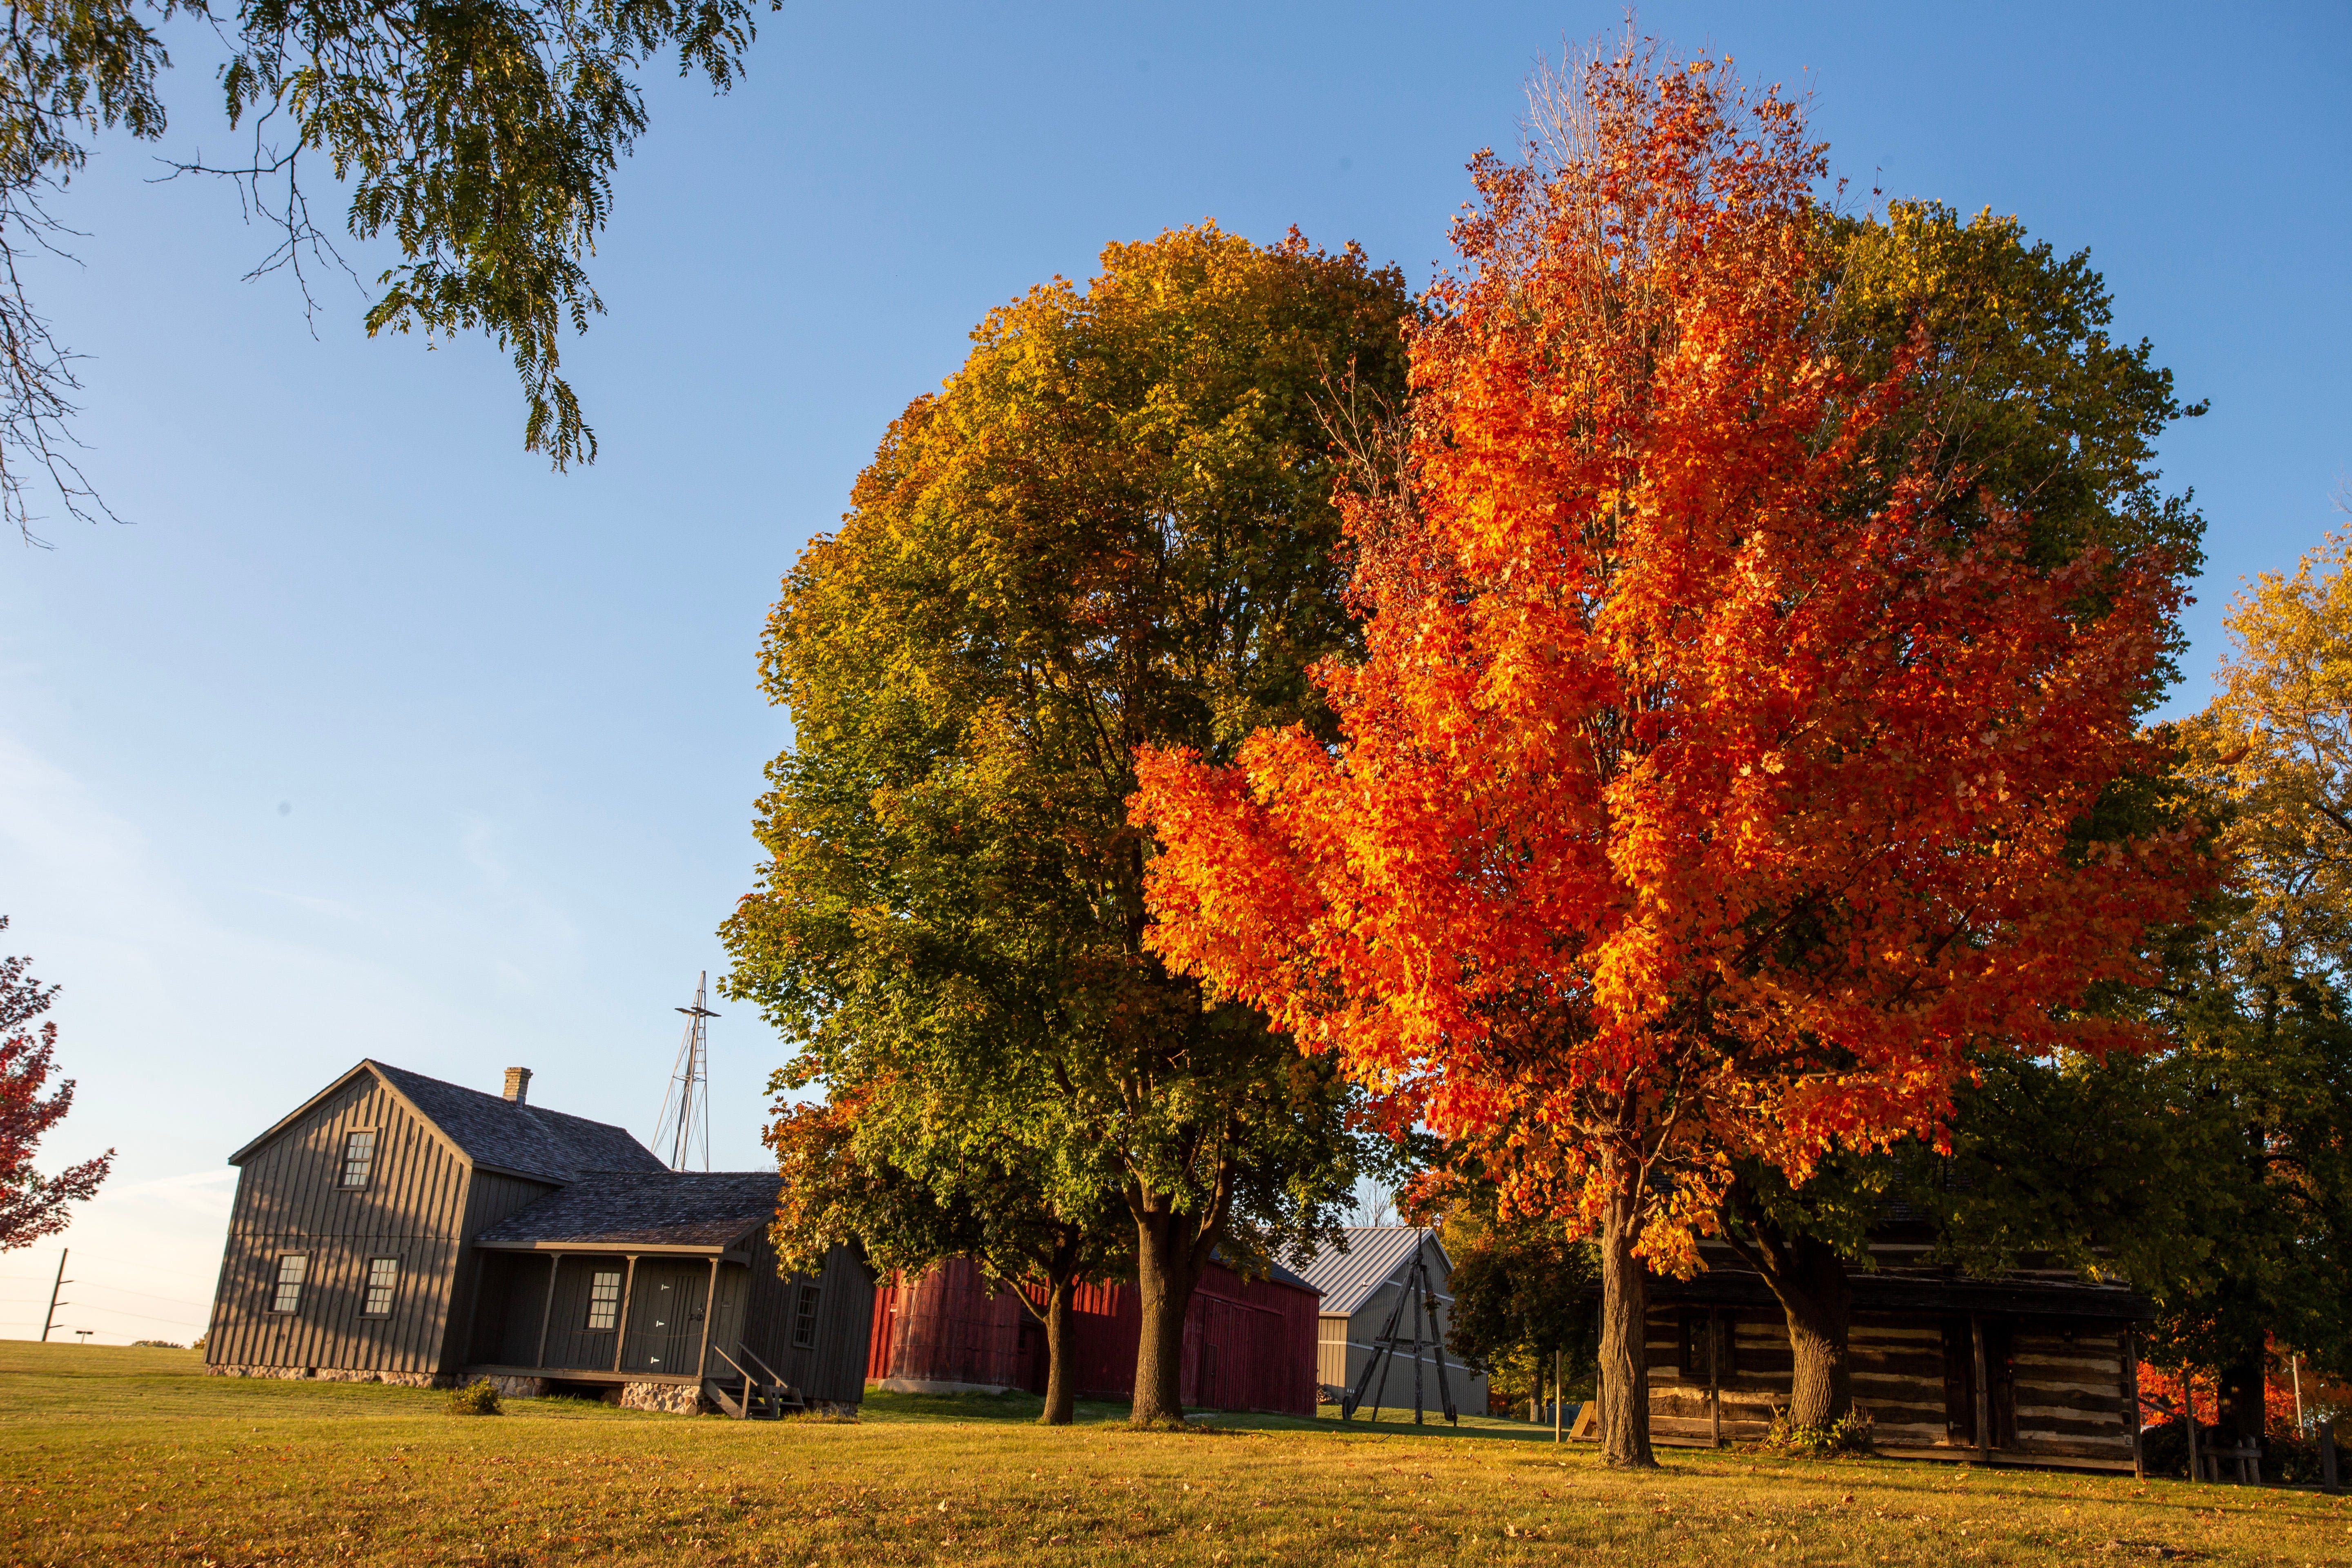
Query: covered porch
x,y
605,1314
641,1282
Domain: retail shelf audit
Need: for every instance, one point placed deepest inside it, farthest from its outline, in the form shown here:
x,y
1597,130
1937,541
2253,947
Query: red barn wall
x,y
1249,1345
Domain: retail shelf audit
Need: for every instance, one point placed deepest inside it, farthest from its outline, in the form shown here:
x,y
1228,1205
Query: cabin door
x,y
666,1317
1960,1381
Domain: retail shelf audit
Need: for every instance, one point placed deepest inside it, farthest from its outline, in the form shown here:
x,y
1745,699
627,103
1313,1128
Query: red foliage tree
x,y
1701,793
33,1205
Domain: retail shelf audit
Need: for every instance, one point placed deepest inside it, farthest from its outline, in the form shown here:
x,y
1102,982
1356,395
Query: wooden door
x,y
2000,1379
1959,1385
666,1317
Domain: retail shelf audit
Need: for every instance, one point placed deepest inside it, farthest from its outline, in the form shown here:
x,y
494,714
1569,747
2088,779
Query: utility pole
x,y
54,1303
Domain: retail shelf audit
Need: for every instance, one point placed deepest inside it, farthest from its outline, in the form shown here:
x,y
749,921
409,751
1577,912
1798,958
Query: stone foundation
x,y
669,1398
336,1375
515,1387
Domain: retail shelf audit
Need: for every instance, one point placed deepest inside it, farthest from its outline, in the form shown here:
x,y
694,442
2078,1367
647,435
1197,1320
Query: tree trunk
x,y
1061,1377
1809,1279
1167,1268
1818,1300
2239,1418
1624,1381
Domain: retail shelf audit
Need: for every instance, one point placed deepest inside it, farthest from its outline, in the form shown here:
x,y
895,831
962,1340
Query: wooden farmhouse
x,y
1363,1286
396,1228
1249,1345
2035,1367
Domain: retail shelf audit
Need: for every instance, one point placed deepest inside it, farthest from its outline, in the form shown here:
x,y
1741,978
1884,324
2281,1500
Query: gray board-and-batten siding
x,y
693,1236
449,1166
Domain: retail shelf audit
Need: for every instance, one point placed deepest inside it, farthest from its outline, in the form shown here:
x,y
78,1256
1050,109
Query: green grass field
x,y
131,1457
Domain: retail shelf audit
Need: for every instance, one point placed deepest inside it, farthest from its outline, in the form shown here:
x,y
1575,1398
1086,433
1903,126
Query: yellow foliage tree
x,y
2276,746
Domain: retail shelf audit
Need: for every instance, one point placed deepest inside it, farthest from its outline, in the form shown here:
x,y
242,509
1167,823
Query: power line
x,y
123,1289
145,1317
101,1285
127,1290
132,1263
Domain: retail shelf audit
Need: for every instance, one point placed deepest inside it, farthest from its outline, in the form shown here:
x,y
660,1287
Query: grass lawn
x,y
131,1457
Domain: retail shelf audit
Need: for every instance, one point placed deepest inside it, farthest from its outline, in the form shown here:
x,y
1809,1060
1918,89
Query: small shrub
x,y
160,1345
476,1398
1852,1433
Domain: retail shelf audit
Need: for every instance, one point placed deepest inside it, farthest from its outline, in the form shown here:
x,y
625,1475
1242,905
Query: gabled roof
x,y
492,1132
705,1210
1274,1271
1375,1255
1281,1275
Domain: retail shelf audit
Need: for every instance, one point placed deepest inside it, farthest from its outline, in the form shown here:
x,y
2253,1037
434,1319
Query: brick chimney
x,y
517,1084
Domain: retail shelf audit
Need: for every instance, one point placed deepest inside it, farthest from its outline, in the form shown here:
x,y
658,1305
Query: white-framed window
x,y
293,1268
604,1299
805,1318
382,1282
359,1156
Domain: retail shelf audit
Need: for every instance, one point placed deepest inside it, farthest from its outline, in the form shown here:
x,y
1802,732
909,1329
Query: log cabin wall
x,y
1754,1374
290,1203
2057,1387
2070,1391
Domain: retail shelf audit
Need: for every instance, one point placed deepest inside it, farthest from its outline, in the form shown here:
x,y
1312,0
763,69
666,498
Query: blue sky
x,y
371,737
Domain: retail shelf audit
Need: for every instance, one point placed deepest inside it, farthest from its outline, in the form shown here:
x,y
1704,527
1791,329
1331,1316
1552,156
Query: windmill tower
x,y
683,1133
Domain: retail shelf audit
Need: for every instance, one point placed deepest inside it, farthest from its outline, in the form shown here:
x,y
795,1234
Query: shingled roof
x,y
1374,1254
493,1132
525,1139
711,1210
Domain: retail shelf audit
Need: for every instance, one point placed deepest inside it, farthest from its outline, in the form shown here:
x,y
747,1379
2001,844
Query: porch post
x,y
547,1312
1984,1390
628,1288
709,1310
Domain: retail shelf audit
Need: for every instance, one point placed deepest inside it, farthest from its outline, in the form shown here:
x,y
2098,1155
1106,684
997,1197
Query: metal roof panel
x,y
1374,1256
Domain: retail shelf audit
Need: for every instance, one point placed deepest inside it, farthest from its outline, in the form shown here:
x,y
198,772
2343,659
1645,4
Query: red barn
x,y
1249,1345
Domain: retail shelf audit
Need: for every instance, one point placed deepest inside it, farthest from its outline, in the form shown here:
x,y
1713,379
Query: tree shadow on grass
x,y
1015,1406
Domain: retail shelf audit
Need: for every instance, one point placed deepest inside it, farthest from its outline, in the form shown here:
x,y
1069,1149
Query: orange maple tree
x,y
1701,793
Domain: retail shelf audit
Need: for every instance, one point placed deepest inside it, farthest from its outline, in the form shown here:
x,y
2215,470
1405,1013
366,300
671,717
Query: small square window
x,y
358,1157
804,1320
382,1279
604,1299
292,1269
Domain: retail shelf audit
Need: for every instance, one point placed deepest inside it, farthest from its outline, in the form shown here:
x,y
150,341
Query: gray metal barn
x,y
396,1228
1360,1288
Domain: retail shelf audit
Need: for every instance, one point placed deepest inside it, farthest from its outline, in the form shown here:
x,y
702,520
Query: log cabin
x,y
396,1228
2036,1367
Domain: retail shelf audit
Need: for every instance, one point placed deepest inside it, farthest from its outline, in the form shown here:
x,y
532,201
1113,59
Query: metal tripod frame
x,y
1422,1295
